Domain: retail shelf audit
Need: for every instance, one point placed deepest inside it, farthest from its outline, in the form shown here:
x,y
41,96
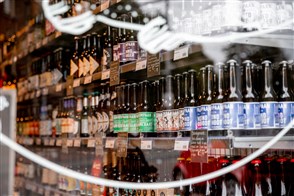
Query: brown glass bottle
x,y
132,48
94,58
206,104
108,47
133,129
85,118
145,111
159,105
74,62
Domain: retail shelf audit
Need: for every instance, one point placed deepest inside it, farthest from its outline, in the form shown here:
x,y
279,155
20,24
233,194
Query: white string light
x,y
130,185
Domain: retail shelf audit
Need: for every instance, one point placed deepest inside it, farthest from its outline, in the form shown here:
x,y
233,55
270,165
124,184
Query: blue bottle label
x,y
198,117
205,116
217,116
233,115
269,115
252,115
190,118
285,113
292,112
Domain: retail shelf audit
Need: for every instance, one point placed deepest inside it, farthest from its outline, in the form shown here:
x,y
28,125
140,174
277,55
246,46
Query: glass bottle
x,y
85,118
132,48
202,96
106,110
159,105
250,98
125,116
206,104
268,99
133,109
145,111
234,106
218,98
74,62
108,49
79,110
191,102
179,105
185,97
94,59
122,42
94,114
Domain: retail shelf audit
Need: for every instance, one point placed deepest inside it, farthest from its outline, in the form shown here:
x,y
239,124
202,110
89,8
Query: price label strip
x,y
141,64
52,142
122,144
105,74
46,142
88,79
91,143
114,73
76,82
181,145
38,141
58,142
58,87
69,143
146,144
181,53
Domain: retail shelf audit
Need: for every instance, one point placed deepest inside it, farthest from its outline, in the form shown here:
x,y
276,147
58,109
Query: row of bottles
x,y
269,174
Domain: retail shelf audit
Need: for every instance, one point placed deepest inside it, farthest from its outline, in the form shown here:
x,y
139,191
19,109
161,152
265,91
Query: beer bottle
x,y
191,102
132,48
58,119
184,96
100,53
206,106
85,117
202,97
218,98
99,102
122,42
94,58
74,62
116,112
78,114
250,98
133,109
159,105
94,113
85,54
125,116
108,48
234,106
268,103
169,102
106,109
179,103
145,111
115,51
285,96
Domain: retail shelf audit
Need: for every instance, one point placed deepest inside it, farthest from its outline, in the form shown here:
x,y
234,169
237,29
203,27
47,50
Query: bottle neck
x,y
178,87
221,81
77,46
134,96
169,95
209,83
268,86
248,81
186,94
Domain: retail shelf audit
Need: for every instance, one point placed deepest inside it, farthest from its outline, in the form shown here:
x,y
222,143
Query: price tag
x,y
32,95
30,141
109,143
181,53
114,73
146,144
76,82
88,79
58,87
52,142
46,142
198,146
91,143
105,74
141,64
181,145
69,143
77,143
38,141
58,142
38,93
153,65
45,91
122,144
44,41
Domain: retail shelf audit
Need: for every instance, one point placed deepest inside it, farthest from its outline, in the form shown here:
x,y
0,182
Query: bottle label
x,y
73,67
181,119
76,127
251,11
111,121
269,115
132,50
252,115
190,118
175,119
93,65
167,120
100,122
146,121
217,116
268,15
105,123
81,68
122,52
198,117
94,124
108,54
205,116
125,122
85,124
284,110
159,121
70,125
233,115
86,66
115,52
132,122
292,112
117,122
